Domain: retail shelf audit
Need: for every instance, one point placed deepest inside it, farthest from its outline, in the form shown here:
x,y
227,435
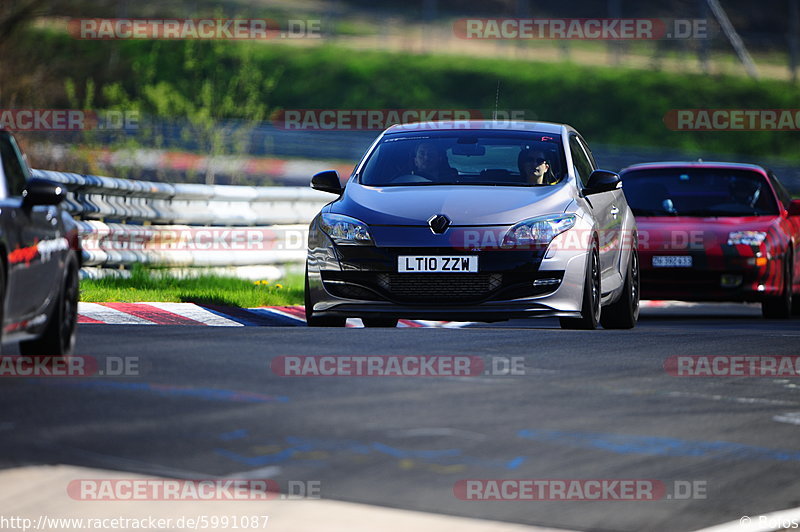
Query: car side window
x,y
588,152
783,194
12,166
583,166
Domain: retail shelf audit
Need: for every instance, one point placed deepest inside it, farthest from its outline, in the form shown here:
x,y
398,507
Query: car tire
x,y
2,303
590,306
780,307
795,302
316,321
624,313
58,339
379,322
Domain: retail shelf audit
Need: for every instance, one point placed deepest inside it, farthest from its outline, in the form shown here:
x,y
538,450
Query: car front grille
x,y
439,288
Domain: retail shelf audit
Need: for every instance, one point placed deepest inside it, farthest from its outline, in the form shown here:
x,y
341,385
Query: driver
x,y
431,161
744,191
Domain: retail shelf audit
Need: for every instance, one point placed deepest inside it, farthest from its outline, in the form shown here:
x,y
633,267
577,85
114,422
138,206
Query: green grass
x,y
155,286
622,106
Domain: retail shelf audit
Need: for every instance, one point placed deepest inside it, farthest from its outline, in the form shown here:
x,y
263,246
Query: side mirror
x,y
794,208
43,192
327,181
602,181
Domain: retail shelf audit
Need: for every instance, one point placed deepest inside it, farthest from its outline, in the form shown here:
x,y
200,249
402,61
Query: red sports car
x,y
716,232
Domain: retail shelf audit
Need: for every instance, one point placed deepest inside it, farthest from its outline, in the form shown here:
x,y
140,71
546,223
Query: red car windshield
x,y
702,192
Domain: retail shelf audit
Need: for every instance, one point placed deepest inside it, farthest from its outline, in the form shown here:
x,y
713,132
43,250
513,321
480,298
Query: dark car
x,y
40,252
477,221
716,232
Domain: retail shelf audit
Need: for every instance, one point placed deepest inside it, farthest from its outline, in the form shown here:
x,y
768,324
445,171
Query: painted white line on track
x,y
99,312
28,492
792,418
197,313
260,473
733,399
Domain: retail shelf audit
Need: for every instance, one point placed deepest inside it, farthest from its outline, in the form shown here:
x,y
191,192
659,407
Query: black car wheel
x,y
780,307
2,302
58,339
590,308
624,313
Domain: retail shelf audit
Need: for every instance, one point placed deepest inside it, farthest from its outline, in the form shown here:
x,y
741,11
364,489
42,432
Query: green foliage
x,y
213,83
611,106
152,285
209,82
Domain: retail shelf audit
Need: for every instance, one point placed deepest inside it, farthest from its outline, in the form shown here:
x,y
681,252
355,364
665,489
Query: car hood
x,y
686,232
463,204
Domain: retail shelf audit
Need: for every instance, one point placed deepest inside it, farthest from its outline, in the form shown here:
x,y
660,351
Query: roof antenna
x,y
496,100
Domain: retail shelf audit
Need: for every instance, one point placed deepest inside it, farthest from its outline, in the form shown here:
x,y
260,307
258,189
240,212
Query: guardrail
x,y
123,221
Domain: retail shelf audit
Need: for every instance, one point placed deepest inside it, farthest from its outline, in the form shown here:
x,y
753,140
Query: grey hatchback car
x,y
474,221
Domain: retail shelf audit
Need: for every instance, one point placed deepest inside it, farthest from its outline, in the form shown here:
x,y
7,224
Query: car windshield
x,y
698,192
466,158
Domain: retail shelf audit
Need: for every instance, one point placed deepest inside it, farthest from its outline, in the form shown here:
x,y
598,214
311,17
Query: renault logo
x,y
439,223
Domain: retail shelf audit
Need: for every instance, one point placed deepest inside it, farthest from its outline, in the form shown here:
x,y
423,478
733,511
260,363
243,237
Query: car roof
x,y
502,125
695,164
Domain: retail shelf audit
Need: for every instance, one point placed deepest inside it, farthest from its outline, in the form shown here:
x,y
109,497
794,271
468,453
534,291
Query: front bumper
x,y
362,281
715,275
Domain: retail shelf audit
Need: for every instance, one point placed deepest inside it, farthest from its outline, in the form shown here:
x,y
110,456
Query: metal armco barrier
x,y
184,245
123,221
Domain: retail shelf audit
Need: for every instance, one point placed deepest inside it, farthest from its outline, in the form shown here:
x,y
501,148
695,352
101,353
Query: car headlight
x,y
344,229
747,238
538,231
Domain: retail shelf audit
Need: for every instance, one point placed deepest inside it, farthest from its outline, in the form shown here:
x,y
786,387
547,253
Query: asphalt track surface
x,y
590,405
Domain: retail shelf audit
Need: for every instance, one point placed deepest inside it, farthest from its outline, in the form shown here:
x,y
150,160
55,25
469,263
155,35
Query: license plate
x,y
437,264
672,261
